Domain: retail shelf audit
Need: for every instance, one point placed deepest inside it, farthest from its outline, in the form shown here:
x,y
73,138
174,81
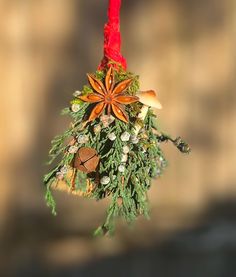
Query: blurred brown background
x,y
184,49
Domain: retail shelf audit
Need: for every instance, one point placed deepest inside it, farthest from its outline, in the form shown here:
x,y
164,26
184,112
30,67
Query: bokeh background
x,y
185,49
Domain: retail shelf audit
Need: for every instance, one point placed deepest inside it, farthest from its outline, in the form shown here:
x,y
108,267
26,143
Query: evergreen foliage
x,y
128,161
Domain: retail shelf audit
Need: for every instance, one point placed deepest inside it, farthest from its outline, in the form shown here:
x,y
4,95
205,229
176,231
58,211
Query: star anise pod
x,y
109,95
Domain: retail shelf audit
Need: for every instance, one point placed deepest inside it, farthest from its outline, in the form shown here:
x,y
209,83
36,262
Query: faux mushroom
x,y
148,99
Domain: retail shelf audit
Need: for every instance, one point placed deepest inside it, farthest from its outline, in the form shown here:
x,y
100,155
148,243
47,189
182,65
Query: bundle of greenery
x,y
112,148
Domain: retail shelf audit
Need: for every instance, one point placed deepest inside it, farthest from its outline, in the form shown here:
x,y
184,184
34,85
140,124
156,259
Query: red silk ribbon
x,y
112,37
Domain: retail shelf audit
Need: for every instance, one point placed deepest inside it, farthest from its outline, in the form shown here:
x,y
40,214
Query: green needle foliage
x,y
128,162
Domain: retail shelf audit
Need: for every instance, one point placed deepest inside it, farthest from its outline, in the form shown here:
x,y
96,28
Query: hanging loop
x,y
112,37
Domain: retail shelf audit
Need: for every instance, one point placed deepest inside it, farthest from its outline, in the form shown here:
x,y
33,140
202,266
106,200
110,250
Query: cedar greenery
x,y
127,188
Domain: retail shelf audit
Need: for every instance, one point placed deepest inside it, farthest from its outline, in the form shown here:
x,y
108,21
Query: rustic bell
x,y
86,159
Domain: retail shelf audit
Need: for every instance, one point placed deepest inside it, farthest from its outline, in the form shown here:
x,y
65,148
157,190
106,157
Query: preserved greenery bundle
x,y
112,148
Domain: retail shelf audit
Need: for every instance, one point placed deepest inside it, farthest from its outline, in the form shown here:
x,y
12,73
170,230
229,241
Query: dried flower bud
x,y
162,138
182,145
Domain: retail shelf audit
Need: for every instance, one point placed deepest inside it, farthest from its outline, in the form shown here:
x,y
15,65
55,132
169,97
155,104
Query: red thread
x,y
112,37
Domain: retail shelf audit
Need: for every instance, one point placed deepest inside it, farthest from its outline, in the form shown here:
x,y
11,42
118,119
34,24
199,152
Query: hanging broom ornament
x,y
114,143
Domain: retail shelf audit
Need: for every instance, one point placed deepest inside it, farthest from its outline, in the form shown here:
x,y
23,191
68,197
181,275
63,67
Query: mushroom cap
x,y
149,98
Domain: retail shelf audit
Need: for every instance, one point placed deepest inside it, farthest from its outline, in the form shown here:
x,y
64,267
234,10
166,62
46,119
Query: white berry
x,y
105,180
75,108
121,168
125,149
77,93
73,149
124,158
134,139
112,136
125,136
82,139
